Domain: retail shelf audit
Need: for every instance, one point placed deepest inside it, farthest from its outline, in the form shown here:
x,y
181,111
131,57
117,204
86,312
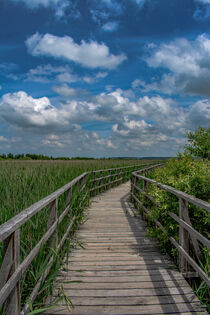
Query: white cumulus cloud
x,y
188,63
47,73
88,54
110,26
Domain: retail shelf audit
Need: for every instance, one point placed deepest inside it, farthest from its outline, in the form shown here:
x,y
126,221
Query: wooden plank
x,y
130,285
115,273
122,278
127,292
102,237
181,308
118,268
139,300
112,258
110,261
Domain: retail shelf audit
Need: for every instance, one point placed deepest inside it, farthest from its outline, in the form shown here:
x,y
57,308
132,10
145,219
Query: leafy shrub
x,y
199,143
189,173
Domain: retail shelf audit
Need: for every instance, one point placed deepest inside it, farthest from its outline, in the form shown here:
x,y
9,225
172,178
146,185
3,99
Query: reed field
x,y
23,183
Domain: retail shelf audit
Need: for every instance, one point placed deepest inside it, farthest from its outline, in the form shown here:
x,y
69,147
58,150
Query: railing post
x,y
120,175
132,189
11,250
94,183
68,196
83,182
144,185
109,179
135,183
183,236
127,172
84,186
100,181
51,221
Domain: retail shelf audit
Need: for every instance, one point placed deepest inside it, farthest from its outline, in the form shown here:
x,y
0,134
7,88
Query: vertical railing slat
x,y
52,218
183,237
11,248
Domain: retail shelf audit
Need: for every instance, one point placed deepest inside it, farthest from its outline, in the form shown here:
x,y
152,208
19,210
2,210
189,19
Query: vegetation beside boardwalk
x,y
189,173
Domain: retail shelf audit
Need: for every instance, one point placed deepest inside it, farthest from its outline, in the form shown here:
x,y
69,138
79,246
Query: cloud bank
x,y
145,125
188,63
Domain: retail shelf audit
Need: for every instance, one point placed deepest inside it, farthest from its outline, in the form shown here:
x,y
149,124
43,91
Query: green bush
x,y
199,143
189,173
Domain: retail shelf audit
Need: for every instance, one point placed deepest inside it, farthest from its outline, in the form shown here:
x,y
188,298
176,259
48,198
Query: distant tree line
x,y
28,156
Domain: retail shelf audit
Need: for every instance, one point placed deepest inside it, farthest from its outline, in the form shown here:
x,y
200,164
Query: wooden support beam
x,y
51,221
183,237
11,249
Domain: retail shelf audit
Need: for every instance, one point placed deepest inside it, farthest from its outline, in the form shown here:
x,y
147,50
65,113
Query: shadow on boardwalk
x,y
165,297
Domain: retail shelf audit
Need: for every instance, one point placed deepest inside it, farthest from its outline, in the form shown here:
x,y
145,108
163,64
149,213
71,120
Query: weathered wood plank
x,y
147,309
140,300
127,292
123,285
116,262
122,278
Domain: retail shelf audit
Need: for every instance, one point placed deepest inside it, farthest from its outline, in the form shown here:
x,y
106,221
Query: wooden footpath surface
x,y
120,270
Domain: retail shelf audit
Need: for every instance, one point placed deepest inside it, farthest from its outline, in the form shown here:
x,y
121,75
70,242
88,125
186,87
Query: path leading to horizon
x,y
118,269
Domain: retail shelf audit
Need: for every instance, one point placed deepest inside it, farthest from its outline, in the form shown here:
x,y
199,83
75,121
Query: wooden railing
x,y
104,179
186,232
12,270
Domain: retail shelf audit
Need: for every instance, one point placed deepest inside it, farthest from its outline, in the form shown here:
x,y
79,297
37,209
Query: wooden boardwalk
x,y
120,270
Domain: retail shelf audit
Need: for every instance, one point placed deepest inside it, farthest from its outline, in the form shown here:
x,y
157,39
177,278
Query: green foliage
x,y
191,176
187,175
199,143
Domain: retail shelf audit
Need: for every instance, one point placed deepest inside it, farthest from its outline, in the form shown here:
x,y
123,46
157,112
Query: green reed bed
x,y
23,183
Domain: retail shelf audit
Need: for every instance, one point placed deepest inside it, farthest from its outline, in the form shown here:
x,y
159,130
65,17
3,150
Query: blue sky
x,y
103,77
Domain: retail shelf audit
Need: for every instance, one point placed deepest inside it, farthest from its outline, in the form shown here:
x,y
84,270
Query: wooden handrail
x,y
120,174
11,270
15,222
196,201
186,230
